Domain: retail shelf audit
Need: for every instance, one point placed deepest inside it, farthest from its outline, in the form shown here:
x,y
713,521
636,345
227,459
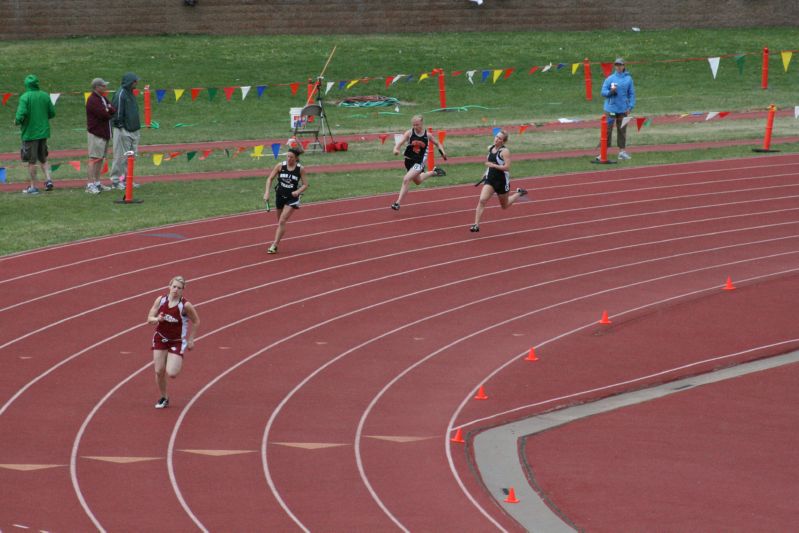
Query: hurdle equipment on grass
x,y
128,198
603,143
772,110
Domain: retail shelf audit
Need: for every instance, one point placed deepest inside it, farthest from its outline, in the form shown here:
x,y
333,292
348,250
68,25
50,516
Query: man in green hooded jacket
x,y
34,112
125,128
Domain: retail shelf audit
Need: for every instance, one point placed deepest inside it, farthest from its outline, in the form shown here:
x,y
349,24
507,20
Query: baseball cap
x,y
619,61
96,82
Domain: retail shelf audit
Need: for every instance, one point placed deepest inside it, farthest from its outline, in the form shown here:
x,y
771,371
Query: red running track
x,y
328,379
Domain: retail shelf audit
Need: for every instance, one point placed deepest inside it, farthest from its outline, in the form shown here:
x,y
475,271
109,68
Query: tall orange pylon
x,y
531,356
511,496
604,319
481,394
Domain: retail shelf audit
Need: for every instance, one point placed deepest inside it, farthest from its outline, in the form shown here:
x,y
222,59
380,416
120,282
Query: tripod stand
x,y
310,112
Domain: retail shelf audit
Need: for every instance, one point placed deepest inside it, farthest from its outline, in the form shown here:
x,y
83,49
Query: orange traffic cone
x,y
604,319
531,356
481,394
511,496
729,286
458,436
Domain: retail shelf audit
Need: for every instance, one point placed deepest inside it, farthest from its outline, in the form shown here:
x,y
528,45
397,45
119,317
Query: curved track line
x,y
301,384
451,425
256,213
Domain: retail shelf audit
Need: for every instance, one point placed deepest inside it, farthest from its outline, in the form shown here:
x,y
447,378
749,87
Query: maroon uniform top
x,y
175,324
98,115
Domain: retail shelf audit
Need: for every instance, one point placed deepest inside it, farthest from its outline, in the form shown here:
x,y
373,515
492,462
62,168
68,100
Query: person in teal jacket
x,y
619,93
125,128
34,112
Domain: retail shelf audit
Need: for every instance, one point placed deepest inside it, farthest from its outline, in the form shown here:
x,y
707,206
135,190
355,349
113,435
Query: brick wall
x,y
30,19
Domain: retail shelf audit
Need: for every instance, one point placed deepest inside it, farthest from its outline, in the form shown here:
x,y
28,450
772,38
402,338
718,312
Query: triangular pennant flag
x,y
397,77
212,93
329,86
2,174
173,155
786,59
205,155
179,93
6,96
260,89
54,97
190,155
546,68
245,90
470,75
523,128
723,114
639,121
424,76
714,65
157,159
342,84
305,144
409,78
389,81
135,92
495,131
239,150
648,122
159,95
607,68
55,167
75,165
85,97
625,121
228,92
258,151
195,92
575,66
294,86
533,69
739,60
711,114
486,73
497,73
105,167
507,72
560,66
383,137
275,149
351,83
456,73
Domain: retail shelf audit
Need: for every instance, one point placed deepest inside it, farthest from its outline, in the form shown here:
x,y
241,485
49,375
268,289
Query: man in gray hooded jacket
x,y
125,127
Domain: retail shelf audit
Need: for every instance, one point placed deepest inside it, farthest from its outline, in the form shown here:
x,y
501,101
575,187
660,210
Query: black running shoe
x,y
475,228
395,206
163,402
522,192
48,185
439,171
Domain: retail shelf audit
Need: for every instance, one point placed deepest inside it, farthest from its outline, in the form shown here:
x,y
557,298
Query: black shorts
x,y
33,151
414,164
501,184
287,200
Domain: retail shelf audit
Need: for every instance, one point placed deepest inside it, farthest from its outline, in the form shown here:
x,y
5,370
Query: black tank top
x,y
288,180
496,158
417,147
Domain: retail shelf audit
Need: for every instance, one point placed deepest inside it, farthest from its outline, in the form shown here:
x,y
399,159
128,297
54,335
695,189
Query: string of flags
x,y
483,75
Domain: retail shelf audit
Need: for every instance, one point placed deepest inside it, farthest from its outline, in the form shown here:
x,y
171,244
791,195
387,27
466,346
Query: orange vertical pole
x,y
129,177
603,140
772,110
764,78
431,151
442,90
587,74
147,107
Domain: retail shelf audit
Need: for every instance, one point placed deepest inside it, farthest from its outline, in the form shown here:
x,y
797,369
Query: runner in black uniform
x,y
291,183
416,157
496,178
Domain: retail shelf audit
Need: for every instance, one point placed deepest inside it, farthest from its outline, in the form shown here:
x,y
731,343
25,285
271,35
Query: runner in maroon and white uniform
x,y
177,322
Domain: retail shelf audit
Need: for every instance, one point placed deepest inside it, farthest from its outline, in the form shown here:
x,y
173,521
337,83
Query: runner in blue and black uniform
x,y
291,183
416,157
496,178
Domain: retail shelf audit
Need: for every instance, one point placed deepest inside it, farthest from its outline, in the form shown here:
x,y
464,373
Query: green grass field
x,y
664,86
